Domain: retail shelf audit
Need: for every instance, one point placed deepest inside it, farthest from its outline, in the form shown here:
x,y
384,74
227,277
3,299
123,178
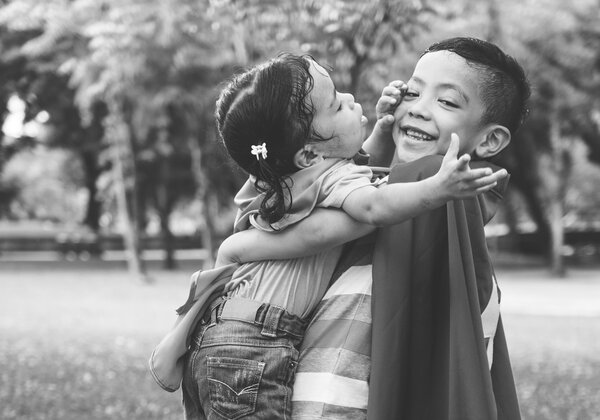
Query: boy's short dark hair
x,y
504,86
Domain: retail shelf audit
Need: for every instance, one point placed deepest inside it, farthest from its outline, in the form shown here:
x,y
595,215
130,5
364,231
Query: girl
x,y
286,125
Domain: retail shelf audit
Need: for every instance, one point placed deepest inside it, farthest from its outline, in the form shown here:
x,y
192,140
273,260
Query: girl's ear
x,y
306,157
496,138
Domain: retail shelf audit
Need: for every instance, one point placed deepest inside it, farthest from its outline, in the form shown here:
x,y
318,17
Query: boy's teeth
x,y
418,135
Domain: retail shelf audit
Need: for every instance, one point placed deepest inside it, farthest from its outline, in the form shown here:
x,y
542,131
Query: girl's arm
x,y
322,230
395,203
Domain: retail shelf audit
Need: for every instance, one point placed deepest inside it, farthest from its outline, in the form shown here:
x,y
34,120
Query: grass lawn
x,y
74,344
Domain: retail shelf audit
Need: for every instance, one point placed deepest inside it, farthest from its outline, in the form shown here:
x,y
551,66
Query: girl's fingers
x,y
389,100
397,83
480,174
384,123
452,152
395,89
485,176
485,188
390,91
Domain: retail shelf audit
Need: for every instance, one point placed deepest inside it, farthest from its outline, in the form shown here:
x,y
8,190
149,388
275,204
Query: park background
x,y
114,188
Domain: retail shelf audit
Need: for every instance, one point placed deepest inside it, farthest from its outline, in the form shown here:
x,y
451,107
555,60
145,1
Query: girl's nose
x,y
349,98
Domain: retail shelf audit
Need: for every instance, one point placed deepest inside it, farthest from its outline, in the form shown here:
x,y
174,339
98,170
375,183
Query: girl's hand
x,y
458,180
391,96
380,144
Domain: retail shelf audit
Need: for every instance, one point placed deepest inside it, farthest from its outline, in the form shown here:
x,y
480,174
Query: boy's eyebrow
x,y
456,88
444,86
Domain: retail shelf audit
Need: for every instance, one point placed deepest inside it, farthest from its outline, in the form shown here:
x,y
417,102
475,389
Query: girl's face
x,y
336,116
442,98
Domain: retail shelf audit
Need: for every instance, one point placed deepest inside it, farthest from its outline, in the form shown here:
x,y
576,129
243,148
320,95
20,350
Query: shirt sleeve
x,y
341,181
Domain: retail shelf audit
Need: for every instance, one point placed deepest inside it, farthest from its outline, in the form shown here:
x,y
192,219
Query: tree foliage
x,y
154,68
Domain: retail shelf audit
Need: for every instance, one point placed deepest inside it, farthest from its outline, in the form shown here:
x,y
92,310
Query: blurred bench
x,y
85,245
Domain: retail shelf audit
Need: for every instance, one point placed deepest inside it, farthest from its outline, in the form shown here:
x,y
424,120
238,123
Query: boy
x,y
436,323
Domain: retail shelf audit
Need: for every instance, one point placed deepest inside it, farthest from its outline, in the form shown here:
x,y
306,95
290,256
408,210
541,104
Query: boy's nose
x,y
419,109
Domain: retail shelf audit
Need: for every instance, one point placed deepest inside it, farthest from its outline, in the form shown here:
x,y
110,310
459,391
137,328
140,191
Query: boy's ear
x,y
496,138
306,157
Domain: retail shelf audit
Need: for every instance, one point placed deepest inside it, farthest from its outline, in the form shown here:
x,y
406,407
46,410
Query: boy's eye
x,y
448,103
411,94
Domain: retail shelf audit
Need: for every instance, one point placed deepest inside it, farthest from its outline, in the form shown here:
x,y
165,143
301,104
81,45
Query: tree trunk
x,y
164,204
204,195
556,214
169,262
123,158
92,171
558,182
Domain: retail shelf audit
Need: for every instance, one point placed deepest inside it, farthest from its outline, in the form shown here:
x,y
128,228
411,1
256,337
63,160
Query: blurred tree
x,y
145,57
137,82
560,46
44,190
35,77
358,35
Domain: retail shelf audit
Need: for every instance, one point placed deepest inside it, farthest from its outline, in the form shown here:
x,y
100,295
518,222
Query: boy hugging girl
x,y
435,348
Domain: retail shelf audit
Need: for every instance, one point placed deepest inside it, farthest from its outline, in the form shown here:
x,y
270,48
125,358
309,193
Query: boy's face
x,y
442,99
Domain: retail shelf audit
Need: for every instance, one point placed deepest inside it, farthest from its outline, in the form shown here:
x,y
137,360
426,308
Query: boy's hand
x,y
234,284
458,180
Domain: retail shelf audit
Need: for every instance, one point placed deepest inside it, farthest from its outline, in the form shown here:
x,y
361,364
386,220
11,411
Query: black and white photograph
x,y
300,209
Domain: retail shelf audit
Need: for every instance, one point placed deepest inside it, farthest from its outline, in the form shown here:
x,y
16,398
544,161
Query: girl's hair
x,y
268,104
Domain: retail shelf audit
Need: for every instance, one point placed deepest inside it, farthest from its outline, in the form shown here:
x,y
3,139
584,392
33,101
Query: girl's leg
x,y
238,372
192,407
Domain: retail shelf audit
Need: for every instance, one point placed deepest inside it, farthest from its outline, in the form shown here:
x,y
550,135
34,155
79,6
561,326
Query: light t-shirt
x,y
298,284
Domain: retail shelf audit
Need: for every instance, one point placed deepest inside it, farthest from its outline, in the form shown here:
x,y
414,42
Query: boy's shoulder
x,y
419,169
429,165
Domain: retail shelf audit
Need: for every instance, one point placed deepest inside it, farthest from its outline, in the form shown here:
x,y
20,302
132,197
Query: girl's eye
x,y
411,94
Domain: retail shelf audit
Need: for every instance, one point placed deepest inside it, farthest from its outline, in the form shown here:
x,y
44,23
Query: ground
x,y
75,340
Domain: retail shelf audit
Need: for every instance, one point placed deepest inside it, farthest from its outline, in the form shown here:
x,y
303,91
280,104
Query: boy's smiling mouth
x,y
415,134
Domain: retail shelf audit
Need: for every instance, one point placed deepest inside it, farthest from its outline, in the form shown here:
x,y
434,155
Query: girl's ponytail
x,y
276,190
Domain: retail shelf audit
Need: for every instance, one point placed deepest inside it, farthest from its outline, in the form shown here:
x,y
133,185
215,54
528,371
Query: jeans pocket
x,y
233,385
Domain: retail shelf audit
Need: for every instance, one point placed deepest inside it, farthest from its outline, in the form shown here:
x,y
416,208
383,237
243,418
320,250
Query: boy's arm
x,y
380,145
322,230
395,203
